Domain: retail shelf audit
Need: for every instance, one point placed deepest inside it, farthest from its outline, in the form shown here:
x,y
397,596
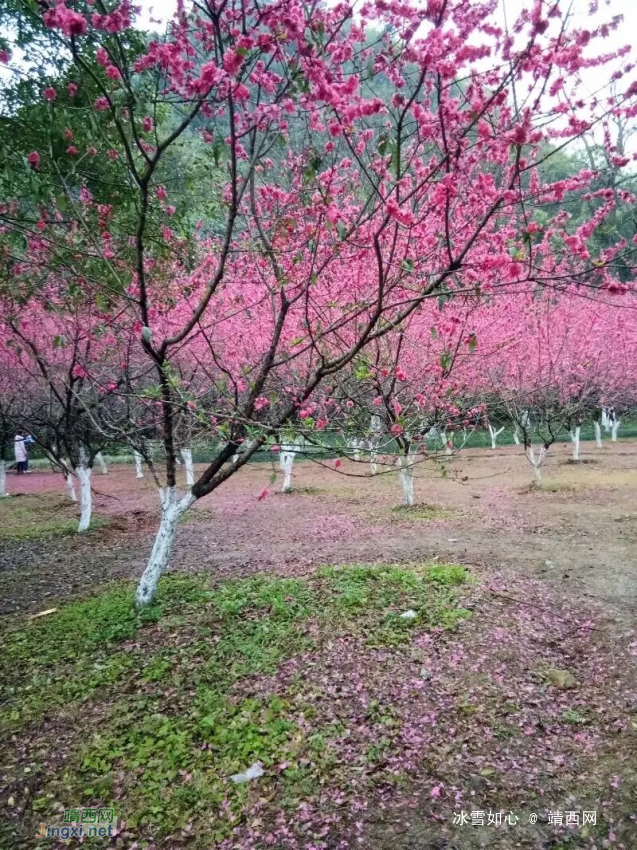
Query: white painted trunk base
x,y
536,461
173,506
516,436
287,461
406,475
614,429
3,479
190,473
138,465
575,435
598,435
70,485
102,463
86,502
495,433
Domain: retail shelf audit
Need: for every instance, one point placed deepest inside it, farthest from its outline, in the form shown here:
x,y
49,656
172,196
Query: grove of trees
x,y
289,221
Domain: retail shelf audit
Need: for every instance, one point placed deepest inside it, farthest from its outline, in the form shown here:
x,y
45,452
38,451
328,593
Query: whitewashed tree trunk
x,y
288,455
190,472
575,435
448,443
355,445
373,443
3,479
173,506
598,435
536,461
614,429
406,476
605,420
516,435
138,465
68,480
373,459
495,433
288,461
86,502
102,463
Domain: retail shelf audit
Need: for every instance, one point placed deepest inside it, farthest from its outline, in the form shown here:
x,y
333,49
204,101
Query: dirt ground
x,y
578,532
556,569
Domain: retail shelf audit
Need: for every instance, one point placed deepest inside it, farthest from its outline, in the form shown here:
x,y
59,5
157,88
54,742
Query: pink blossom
x,y
275,449
101,104
397,429
71,150
337,464
160,193
72,89
50,93
263,494
34,159
147,124
261,402
378,401
4,57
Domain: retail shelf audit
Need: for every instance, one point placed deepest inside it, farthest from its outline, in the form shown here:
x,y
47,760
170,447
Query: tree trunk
x,y
614,429
575,435
171,510
516,436
287,461
190,473
495,433
86,502
356,449
102,463
536,462
68,480
3,479
138,465
598,435
406,475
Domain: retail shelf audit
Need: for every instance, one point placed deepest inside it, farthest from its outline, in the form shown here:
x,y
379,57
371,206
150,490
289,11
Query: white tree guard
x,y
102,463
3,479
575,438
537,461
138,465
598,434
173,506
190,472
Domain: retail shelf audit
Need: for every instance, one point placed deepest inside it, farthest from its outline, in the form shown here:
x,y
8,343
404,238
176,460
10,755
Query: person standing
x,y
20,451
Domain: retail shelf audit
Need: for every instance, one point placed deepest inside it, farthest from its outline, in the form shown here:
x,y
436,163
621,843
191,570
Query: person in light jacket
x,y
20,451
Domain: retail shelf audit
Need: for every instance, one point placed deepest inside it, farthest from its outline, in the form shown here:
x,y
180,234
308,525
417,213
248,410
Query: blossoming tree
x,y
359,164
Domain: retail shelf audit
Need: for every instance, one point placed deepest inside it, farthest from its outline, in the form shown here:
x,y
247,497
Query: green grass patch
x,y
36,517
421,512
163,707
